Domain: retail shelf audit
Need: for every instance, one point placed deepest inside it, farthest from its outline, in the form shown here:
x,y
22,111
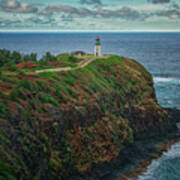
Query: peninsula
x,y
73,123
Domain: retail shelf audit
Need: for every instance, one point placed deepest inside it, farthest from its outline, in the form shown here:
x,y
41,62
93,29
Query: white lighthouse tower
x,y
97,47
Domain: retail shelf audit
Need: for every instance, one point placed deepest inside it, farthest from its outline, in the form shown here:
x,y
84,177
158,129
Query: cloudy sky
x,y
89,15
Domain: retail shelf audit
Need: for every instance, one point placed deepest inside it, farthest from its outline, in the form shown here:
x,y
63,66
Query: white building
x,y
97,47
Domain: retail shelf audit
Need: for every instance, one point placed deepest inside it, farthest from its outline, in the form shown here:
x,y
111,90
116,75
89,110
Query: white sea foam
x,y
163,79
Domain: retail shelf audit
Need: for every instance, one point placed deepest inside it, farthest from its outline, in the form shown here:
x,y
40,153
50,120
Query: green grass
x,y
89,106
47,74
2,109
46,98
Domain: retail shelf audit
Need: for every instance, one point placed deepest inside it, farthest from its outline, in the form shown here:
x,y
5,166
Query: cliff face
x,y
53,125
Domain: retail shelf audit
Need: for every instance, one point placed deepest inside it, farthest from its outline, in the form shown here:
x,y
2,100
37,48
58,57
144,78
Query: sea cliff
x,y
56,125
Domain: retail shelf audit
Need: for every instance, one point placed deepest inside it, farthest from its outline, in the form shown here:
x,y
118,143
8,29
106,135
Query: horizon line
x,y
95,31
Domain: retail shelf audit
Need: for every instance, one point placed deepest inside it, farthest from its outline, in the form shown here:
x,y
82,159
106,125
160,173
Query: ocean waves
x,y
166,80
167,91
166,167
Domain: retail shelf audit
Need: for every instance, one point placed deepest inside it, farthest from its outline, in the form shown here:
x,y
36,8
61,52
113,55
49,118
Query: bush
x,y
49,57
12,67
43,86
42,62
16,56
25,83
21,73
45,98
2,108
73,59
7,171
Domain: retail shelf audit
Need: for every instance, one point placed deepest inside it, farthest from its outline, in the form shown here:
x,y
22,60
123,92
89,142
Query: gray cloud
x,y
172,13
159,1
5,22
47,15
129,14
69,10
98,2
77,12
15,6
41,20
175,6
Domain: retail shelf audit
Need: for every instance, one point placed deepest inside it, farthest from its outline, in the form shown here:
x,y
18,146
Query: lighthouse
x,y
97,48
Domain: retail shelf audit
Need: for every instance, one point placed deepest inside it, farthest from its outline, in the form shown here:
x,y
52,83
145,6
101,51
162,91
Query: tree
x,y
49,57
33,57
4,56
16,57
26,58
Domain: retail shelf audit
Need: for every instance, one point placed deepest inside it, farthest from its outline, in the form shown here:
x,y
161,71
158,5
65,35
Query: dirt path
x,y
79,65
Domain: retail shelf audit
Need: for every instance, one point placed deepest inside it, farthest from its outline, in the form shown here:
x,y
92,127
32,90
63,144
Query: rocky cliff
x,y
56,125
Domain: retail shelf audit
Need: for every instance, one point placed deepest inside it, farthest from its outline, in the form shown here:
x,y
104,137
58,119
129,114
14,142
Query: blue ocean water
x,y
158,52
166,167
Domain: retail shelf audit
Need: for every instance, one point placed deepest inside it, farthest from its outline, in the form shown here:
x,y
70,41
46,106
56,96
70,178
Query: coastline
x,y
135,159
141,167
159,148
105,147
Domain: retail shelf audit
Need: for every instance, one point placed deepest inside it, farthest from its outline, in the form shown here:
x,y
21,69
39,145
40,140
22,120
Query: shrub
x,y
73,59
43,86
32,103
25,83
7,171
42,62
20,94
2,108
49,57
130,136
21,73
12,67
45,98
59,95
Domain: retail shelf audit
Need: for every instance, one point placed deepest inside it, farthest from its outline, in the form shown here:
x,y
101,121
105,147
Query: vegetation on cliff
x,y
56,124
14,61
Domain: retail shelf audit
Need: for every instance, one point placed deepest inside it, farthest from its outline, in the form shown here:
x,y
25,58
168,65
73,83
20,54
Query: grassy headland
x,y
57,124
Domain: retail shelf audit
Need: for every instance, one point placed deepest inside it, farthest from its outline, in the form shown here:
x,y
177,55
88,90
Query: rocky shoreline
x,y
135,159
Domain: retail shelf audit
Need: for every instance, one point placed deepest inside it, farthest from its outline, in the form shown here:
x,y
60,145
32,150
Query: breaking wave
x,y
166,167
168,80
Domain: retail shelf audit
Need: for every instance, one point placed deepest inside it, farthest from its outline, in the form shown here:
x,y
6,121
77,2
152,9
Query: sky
x,y
89,15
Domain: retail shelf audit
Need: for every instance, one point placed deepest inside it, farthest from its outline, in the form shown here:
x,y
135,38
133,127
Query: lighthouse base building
x,y
97,47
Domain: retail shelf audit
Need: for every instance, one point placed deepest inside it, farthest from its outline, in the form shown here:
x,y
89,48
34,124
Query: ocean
x,y
159,52
166,167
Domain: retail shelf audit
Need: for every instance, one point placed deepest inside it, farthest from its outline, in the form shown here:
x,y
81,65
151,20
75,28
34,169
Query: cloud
x,y
59,15
15,6
41,20
127,13
100,12
159,1
97,2
9,23
73,11
175,6
172,13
